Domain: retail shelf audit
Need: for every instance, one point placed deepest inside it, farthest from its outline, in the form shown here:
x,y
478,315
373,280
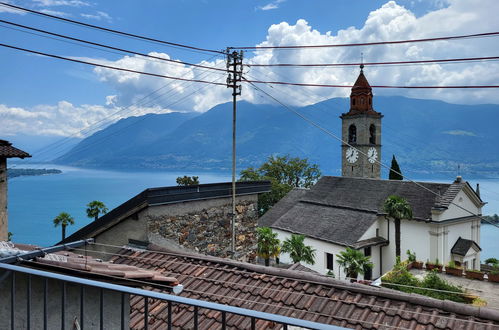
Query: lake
x,y
35,200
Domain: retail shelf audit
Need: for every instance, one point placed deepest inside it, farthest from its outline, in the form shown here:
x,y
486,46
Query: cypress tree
x,y
395,170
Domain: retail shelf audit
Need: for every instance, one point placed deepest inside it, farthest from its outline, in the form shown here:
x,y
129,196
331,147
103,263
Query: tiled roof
x,y
291,293
167,195
462,246
8,151
341,209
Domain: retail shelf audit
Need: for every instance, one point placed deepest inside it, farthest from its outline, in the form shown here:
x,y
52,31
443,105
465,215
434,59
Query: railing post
x,y
170,322
101,308
82,306
63,305
195,317
45,310
122,311
28,304
146,313
13,302
224,321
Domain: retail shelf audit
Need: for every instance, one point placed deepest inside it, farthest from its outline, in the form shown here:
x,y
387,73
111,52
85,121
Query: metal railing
x,y
16,271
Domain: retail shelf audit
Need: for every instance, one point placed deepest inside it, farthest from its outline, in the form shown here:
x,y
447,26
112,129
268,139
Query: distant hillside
x,y
426,136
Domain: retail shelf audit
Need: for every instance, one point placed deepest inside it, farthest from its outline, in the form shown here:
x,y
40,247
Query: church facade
x,y
347,211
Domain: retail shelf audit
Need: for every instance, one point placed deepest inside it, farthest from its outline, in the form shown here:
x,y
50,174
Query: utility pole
x,y
235,71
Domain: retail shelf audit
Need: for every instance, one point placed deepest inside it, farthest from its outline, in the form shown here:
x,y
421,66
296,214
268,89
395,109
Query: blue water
x,y
35,200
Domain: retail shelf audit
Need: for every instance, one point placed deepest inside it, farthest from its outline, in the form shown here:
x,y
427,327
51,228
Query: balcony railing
x,y
69,298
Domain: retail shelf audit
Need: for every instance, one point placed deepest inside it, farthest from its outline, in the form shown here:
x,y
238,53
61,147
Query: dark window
x,y
367,251
352,134
329,261
353,101
372,134
369,101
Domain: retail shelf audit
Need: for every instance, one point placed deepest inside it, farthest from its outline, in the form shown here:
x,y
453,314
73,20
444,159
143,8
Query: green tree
x,y
267,243
187,180
63,220
297,249
397,208
284,173
95,208
395,173
354,262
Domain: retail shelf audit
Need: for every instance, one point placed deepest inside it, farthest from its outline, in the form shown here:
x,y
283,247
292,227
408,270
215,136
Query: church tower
x,y
361,128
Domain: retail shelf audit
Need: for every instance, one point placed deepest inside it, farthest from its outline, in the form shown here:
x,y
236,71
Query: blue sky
x,y
45,96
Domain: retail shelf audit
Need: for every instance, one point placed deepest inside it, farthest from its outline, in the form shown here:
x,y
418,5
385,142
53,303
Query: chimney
x,y
6,151
459,179
478,190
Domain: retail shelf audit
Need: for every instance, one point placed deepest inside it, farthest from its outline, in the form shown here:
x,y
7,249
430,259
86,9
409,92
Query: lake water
x,y
35,200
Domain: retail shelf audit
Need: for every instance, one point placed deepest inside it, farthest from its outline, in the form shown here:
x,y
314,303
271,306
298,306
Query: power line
x,y
466,36
374,86
362,153
111,47
451,60
110,67
110,30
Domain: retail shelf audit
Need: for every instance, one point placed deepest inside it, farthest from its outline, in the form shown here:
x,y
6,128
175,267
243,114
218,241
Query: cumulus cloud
x,y
65,118
390,22
271,5
98,16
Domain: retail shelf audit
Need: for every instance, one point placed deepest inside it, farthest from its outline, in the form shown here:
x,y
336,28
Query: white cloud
x,y
98,16
271,5
460,132
64,118
53,3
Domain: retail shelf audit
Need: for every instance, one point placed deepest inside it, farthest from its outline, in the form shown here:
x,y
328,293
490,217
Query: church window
x,y
352,134
353,101
369,101
372,134
329,261
362,100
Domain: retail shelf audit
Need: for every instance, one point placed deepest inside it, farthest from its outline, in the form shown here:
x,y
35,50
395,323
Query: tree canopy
x,y
63,220
187,180
95,208
354,262
297,249
268,245
395,172
285,173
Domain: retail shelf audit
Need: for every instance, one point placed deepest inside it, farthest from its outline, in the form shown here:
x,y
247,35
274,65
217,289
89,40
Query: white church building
x,y
347,211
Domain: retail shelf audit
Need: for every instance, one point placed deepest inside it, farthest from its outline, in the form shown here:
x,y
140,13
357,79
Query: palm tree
x,y
95,208
297,249
397,208
64,219
354,262
268,244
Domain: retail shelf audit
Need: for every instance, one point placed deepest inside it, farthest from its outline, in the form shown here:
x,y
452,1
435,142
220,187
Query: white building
x,y
347,211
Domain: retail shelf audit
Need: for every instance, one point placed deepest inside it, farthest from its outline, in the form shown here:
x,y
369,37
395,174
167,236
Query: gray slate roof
x,y
462,246
341,209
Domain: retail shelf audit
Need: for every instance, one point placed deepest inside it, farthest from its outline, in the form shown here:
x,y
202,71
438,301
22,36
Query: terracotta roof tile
x,y
292,293
8,151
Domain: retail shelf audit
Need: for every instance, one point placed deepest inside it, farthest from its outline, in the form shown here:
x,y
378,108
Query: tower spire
x,y
361,62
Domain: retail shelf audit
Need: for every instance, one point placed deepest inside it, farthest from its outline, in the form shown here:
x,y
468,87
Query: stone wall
x,y
208,230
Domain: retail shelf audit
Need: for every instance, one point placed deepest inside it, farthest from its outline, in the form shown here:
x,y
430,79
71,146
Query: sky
x,y
43,96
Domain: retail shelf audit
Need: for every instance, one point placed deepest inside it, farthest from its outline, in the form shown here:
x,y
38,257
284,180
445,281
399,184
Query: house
x,y
32,301
286,292
6,151
347,211
196,218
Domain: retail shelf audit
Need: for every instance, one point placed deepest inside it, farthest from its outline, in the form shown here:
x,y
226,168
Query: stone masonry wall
x,y
208,230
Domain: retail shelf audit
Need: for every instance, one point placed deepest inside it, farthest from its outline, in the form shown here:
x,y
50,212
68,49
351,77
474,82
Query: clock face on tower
x,y
352,155
372,155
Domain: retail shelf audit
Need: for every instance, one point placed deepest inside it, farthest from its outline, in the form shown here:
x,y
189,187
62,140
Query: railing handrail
x,y
176,299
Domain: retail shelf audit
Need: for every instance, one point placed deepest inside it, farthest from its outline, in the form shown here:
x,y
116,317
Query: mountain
x,y
426,136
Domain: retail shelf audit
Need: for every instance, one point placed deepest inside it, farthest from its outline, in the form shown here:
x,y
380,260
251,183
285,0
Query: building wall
x,y
112,304
3,200
201,226
465,203
205,226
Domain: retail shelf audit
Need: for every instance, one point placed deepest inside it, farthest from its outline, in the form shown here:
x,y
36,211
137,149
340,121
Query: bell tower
x,y
361,129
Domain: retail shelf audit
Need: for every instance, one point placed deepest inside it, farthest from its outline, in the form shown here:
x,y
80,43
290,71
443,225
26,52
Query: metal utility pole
x,y
235,71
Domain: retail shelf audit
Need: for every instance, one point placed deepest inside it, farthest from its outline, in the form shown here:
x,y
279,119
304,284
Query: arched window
x,y
352,134
353,101
372,134
369,101
362,101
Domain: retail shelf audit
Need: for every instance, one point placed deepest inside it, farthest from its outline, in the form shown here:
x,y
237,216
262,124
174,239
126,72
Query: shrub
x,y
411,256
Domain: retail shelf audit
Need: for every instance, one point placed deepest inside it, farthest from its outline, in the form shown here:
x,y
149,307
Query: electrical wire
x,y
373,86
111,47
110,30
364,154
466,36
108,66
450,60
